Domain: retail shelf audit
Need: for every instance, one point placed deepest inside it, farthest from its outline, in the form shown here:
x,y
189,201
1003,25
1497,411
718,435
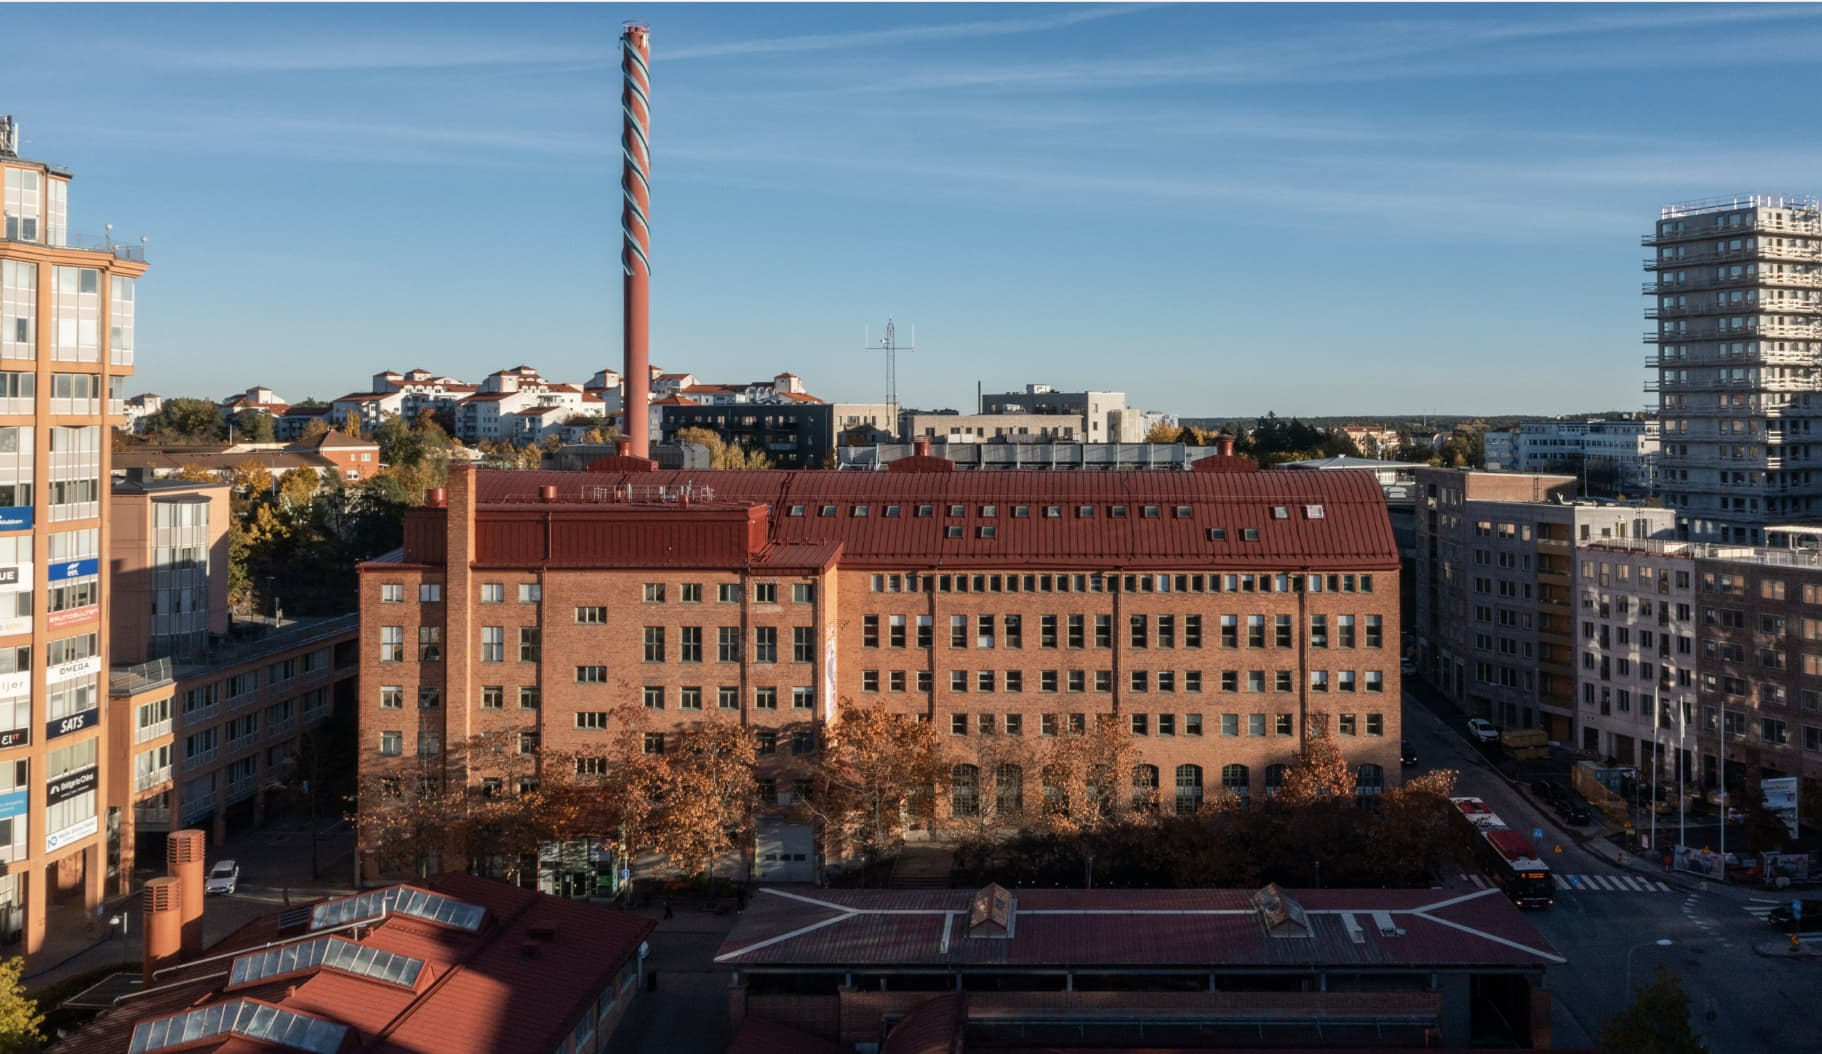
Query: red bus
x,y
1506,855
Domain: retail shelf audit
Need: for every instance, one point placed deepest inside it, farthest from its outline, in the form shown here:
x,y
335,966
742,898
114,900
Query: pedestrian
x,y
287,896
668,913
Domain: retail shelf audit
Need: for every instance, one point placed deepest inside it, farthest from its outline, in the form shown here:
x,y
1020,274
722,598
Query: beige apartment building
x,y
211,719
1495,580
66,349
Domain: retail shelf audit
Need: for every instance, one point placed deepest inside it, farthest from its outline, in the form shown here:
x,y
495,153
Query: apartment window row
x,y
1132,583
495,592
727,593
727,697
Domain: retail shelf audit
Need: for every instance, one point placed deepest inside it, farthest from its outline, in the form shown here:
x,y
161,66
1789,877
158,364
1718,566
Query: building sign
x,y
60,619
63,726
14,803
74,833
69,671
15,518
74,569
13,685
15,737
9,575
71,784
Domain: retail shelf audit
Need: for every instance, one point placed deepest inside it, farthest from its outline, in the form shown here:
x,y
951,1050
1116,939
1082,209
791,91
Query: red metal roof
x,y
1331,520
517,985
1204,928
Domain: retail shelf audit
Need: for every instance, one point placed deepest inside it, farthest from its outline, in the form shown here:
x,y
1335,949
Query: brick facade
x,y
1211,662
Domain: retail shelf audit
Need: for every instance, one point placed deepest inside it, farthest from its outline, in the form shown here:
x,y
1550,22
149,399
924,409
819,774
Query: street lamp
x,y
1661,942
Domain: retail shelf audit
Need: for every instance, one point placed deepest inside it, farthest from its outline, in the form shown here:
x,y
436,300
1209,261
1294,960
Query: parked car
x,y
1546,792
1784,920
1407,754
1573,813
224,877
1482,730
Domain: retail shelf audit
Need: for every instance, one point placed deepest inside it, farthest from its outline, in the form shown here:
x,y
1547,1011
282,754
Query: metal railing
x,y
147,780
86,242
1749,554
139,677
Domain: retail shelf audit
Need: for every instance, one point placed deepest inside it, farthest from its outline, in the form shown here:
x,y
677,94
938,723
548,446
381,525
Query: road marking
x,y
1562,883
1662,888
1479,882
1759,910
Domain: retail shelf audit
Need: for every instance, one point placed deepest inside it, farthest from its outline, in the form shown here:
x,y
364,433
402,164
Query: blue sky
x,y
1218,209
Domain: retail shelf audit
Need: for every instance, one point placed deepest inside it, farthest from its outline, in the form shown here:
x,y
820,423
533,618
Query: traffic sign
x,y
1559,849
1796,909
1537,834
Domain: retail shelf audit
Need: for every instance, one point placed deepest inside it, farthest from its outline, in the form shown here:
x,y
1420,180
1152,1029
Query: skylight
x,y
240,1017
332,952
406,900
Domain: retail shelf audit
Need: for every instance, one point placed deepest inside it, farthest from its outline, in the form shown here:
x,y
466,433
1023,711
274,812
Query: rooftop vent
x,y
1281,914
990,913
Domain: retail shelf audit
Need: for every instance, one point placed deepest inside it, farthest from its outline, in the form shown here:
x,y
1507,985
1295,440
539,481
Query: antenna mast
x,y
890,345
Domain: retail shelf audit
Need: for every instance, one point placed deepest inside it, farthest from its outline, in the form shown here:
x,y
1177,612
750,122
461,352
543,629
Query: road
x,y
1610,913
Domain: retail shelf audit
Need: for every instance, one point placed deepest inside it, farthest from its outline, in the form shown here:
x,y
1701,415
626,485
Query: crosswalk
x,y
1758,909
1587,883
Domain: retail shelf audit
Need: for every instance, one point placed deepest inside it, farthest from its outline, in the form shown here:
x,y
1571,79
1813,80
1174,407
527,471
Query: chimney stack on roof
x,y
1225,444
436,498
162,916
185,852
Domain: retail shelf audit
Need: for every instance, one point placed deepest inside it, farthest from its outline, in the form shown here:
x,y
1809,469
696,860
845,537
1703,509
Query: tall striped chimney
x,y
636,235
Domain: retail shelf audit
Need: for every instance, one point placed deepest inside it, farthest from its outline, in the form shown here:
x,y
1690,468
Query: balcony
x,y
140,677
156,730
88,243
241,790
147,780
149,818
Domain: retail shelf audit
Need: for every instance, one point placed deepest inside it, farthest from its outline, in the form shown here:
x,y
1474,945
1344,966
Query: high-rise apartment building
x,y
1213,614
1737,302
66,349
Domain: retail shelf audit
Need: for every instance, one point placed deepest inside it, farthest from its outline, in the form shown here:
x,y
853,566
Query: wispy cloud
x,y
899,34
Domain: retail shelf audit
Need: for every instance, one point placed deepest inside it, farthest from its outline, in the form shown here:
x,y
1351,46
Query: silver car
x,y
224,877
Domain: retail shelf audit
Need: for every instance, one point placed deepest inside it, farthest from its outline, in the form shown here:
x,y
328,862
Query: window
x,y
593,615
653,743
653,696
591,675
690,593
765,593
493,644
1375,724
430,644
765,644
430,593
689,644
493,593
803,744
530,592
528,643
958,724
653,592
1189,789
1283,725
392,697
803,697
725,593
654,644
392,644
765,698
727,644
493,697
392,744
528,697
593,720
727,697
392,593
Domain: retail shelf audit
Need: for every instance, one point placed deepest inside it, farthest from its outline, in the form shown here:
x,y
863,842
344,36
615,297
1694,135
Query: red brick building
x,y
1214,612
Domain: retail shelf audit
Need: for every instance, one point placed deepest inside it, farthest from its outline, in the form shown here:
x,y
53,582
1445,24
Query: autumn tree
x,y
987,785
876,769
702,795
1321,771
196,474
1413,831
409,806
1087,777
1164,432
21,1023
1657,1021
313,428
722,454
298,486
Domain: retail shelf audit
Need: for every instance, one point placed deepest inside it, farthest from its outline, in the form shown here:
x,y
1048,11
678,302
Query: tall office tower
x,y
1738,288
66,349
